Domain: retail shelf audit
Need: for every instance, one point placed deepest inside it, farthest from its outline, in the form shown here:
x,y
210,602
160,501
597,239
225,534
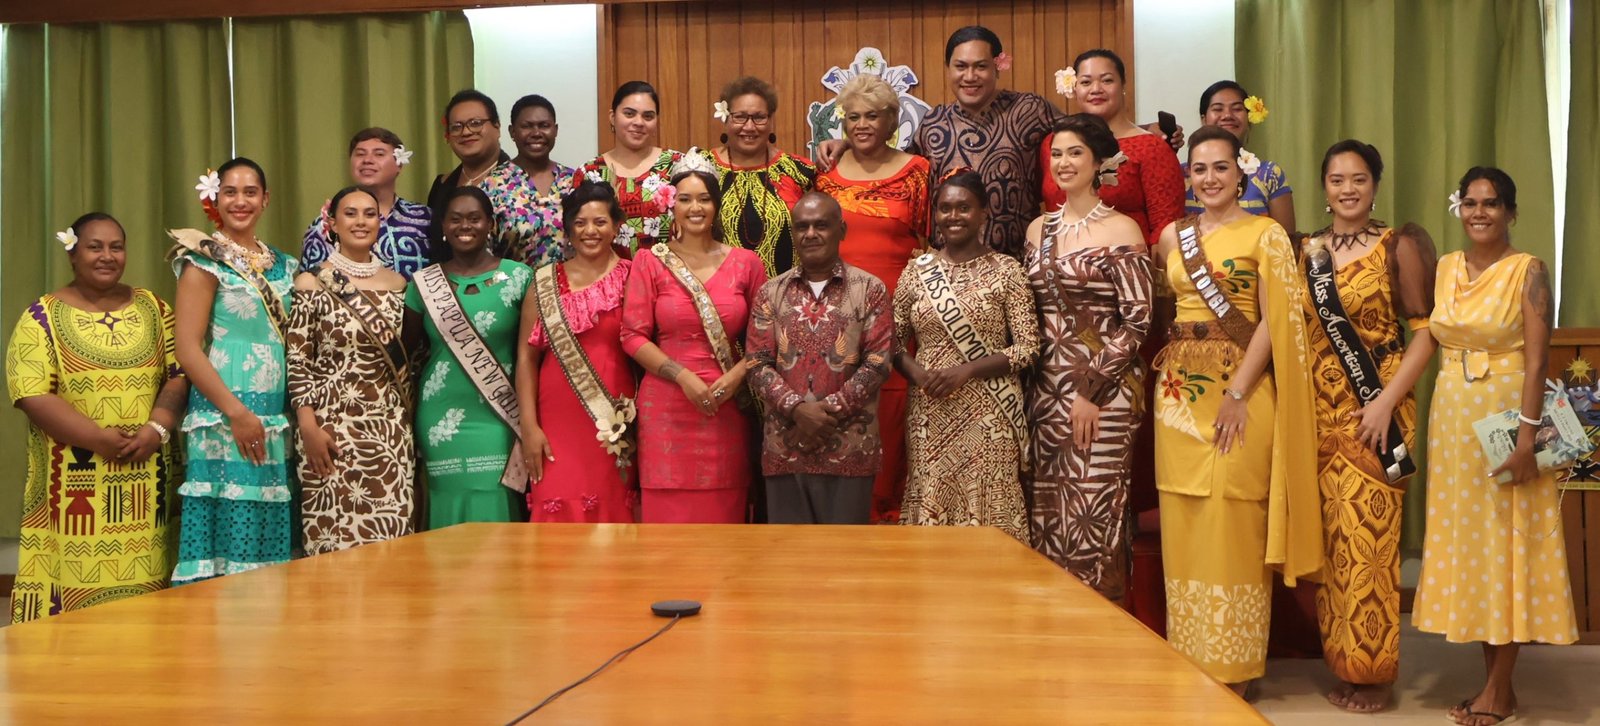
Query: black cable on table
x,y
619,656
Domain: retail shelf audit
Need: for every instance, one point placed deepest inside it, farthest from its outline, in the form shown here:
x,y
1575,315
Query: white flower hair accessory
x,y
1315,246
1066,82
1248,163
1108,169
209,187
67,238
1455,204
402,155
720,111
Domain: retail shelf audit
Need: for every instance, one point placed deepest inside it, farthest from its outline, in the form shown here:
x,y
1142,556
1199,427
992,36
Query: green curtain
x,y
1437,85
120,118
304,86
1580,296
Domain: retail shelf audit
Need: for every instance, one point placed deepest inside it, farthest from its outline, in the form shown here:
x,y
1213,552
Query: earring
x,y
1327,209
772,138
724,138
1374,205
333,239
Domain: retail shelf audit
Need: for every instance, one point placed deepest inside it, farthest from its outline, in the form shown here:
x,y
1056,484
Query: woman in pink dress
x,y
694,446
569,442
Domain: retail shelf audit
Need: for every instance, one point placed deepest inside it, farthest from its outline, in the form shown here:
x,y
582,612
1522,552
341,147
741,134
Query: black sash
x,y
369,317
1360,370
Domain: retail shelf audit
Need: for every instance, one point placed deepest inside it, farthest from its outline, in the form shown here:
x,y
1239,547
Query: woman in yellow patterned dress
x,y
93,368
1382,277
1238,495
1494,569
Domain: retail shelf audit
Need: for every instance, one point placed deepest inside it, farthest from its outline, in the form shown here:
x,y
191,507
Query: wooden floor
x,y
475,623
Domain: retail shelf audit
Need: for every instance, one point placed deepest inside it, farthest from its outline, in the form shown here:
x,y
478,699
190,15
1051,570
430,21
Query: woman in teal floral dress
x,y
233,302
466,445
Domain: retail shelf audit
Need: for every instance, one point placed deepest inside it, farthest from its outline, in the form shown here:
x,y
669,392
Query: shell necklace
x,y
1054,224
352,268
258,261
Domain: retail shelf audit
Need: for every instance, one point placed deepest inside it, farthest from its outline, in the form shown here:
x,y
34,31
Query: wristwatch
x,y
160,431
1235,395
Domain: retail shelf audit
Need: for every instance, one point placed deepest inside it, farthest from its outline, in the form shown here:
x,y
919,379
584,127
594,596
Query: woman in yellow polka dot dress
x,y
1494,569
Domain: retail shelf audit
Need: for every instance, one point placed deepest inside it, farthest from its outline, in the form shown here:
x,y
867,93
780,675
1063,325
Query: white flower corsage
x,y
68,238
209,187
402,155
1315,246
1066,82
594,176
1455,204
720,111
1248,163
1108,169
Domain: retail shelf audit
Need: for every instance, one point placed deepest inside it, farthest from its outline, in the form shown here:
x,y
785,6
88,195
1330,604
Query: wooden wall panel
x,y
1580,508
689,50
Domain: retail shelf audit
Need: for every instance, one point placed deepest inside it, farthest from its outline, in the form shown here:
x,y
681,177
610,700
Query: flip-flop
x,y
1498,719
1465,705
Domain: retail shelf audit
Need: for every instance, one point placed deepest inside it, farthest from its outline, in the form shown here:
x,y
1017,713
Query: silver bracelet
x,y
160,431
1529,421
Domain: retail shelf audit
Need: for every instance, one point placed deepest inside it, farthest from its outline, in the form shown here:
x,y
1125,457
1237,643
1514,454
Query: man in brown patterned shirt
x,y
819,343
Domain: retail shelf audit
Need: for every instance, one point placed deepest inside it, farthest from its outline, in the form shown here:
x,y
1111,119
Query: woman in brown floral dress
x,y
350,388
967,312
1090,273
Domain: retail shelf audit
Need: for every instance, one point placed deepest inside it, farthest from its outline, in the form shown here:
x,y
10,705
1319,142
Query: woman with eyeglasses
x,y
472,129
760,182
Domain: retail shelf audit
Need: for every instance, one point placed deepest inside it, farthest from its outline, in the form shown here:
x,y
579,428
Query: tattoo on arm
x,y
669,370
1538,291
173,399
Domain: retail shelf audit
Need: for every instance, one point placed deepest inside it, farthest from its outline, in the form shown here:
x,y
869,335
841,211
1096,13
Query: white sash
x,y
1005,391
482,368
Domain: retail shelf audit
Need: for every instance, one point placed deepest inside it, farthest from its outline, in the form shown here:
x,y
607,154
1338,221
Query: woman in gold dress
x,y
1233,416
1494,568
1382,279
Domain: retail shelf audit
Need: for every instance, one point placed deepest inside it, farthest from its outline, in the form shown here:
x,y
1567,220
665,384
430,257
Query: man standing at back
x,y
819,346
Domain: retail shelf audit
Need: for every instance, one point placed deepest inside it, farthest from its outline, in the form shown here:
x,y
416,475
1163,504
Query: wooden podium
x,y
476,623
1574,357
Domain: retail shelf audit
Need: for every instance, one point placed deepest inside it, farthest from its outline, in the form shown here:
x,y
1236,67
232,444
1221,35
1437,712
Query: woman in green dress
x,y
233,306
475,298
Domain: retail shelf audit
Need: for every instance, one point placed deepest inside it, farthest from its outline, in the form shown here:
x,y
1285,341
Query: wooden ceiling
x,y
97,11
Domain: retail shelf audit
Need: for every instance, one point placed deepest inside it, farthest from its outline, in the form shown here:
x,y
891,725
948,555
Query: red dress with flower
x,y
886,222
583,484
646,202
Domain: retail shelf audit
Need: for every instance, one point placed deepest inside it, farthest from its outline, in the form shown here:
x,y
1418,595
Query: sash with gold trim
x,y
210,248
612,415
482,368
1239,328
369,317
726,352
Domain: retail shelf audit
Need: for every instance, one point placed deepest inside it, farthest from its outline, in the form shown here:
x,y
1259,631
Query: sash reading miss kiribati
x,y
1234,323
208,247
1360,370
372,323
1004,389
482,368
1086,330
612,415
707,310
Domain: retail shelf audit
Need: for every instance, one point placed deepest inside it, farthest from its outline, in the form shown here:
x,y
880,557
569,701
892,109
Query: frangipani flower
x,y
1315,246
1248,163
1256,109
1455,204
1066,81
209,187
68,238
1002,62
402,155
720,111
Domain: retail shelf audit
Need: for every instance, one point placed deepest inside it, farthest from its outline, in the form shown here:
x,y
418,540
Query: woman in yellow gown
x,y
1494,568
1383,276
1238,493
93,368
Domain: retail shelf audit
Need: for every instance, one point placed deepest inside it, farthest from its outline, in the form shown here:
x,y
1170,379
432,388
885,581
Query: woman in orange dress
x,y
884,194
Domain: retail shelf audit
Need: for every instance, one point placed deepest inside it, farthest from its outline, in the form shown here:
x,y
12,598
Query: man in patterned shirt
x,y
819,345
376,159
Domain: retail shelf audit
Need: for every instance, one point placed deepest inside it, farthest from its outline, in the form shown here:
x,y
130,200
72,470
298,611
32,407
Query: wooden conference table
x,y
476,623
